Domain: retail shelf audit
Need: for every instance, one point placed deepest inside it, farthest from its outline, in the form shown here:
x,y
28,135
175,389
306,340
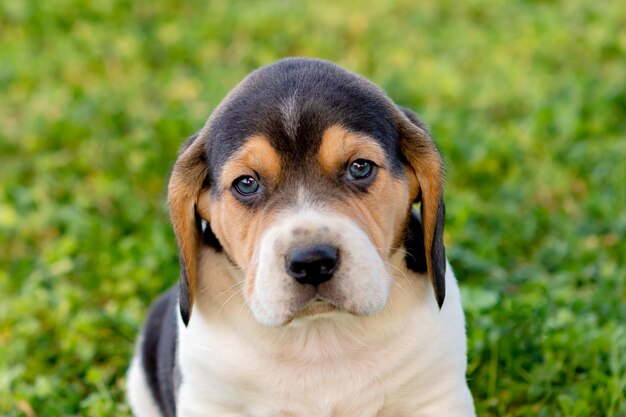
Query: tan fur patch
x,y
382,212
184,186
341,146
237,228
256,156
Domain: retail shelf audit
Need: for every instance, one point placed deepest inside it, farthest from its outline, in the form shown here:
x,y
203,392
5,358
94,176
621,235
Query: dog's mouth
x,y
316,307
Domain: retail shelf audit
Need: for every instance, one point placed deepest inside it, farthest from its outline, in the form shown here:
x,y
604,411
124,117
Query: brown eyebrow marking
x,y
257,155
340,144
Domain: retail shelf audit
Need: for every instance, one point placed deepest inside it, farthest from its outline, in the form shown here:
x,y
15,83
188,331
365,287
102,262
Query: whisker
x,y
403,250
242,307
401,273
397,268
239,291
230,288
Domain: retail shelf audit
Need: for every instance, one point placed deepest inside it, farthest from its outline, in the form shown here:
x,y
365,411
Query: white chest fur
x,y
408,360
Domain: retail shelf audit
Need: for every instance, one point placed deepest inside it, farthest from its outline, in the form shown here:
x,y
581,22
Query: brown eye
x,y
360,169
246,185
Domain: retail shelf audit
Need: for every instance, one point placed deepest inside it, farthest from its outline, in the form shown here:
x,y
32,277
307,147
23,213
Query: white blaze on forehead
x,y
290,112
303,198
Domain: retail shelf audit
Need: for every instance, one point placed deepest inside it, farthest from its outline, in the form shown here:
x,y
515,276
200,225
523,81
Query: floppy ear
x,y
186,183
425,161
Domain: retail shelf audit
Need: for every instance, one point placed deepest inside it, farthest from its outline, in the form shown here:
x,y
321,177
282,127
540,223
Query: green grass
x,y
527,101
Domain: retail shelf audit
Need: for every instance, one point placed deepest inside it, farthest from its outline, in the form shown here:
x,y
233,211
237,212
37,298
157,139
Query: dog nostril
x,y
312,265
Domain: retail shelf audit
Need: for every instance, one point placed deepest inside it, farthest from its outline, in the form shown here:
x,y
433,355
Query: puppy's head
x,y
304,177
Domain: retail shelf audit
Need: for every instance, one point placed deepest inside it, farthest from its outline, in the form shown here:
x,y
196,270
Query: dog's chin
x,y
312,310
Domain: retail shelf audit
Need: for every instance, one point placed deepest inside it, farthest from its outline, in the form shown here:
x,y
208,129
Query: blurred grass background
x,y
527,101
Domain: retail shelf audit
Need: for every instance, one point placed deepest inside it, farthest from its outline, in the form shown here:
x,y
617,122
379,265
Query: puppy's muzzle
x,y
312,265
314,255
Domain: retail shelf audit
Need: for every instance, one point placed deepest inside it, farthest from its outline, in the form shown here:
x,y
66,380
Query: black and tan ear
x,y
186,183
427,168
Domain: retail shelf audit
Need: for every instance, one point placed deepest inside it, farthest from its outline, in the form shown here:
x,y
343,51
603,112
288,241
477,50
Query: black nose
x,y
312,265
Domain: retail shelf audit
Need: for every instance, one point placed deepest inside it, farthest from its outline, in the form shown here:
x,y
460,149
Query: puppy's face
x,y
313,233
304,177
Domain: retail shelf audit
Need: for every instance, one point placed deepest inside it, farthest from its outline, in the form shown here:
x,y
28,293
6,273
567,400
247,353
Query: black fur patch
x,y
414,245
438,256
208,237
158,351
184,294
416,251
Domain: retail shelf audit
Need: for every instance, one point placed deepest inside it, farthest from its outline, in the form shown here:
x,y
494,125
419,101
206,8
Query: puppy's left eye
x,y
246,185
360,169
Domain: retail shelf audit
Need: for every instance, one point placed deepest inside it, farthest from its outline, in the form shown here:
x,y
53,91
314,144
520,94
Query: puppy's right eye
x,y
246,185
360,169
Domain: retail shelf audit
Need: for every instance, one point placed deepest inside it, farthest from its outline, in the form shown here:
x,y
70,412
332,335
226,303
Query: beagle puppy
x,y
309,286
